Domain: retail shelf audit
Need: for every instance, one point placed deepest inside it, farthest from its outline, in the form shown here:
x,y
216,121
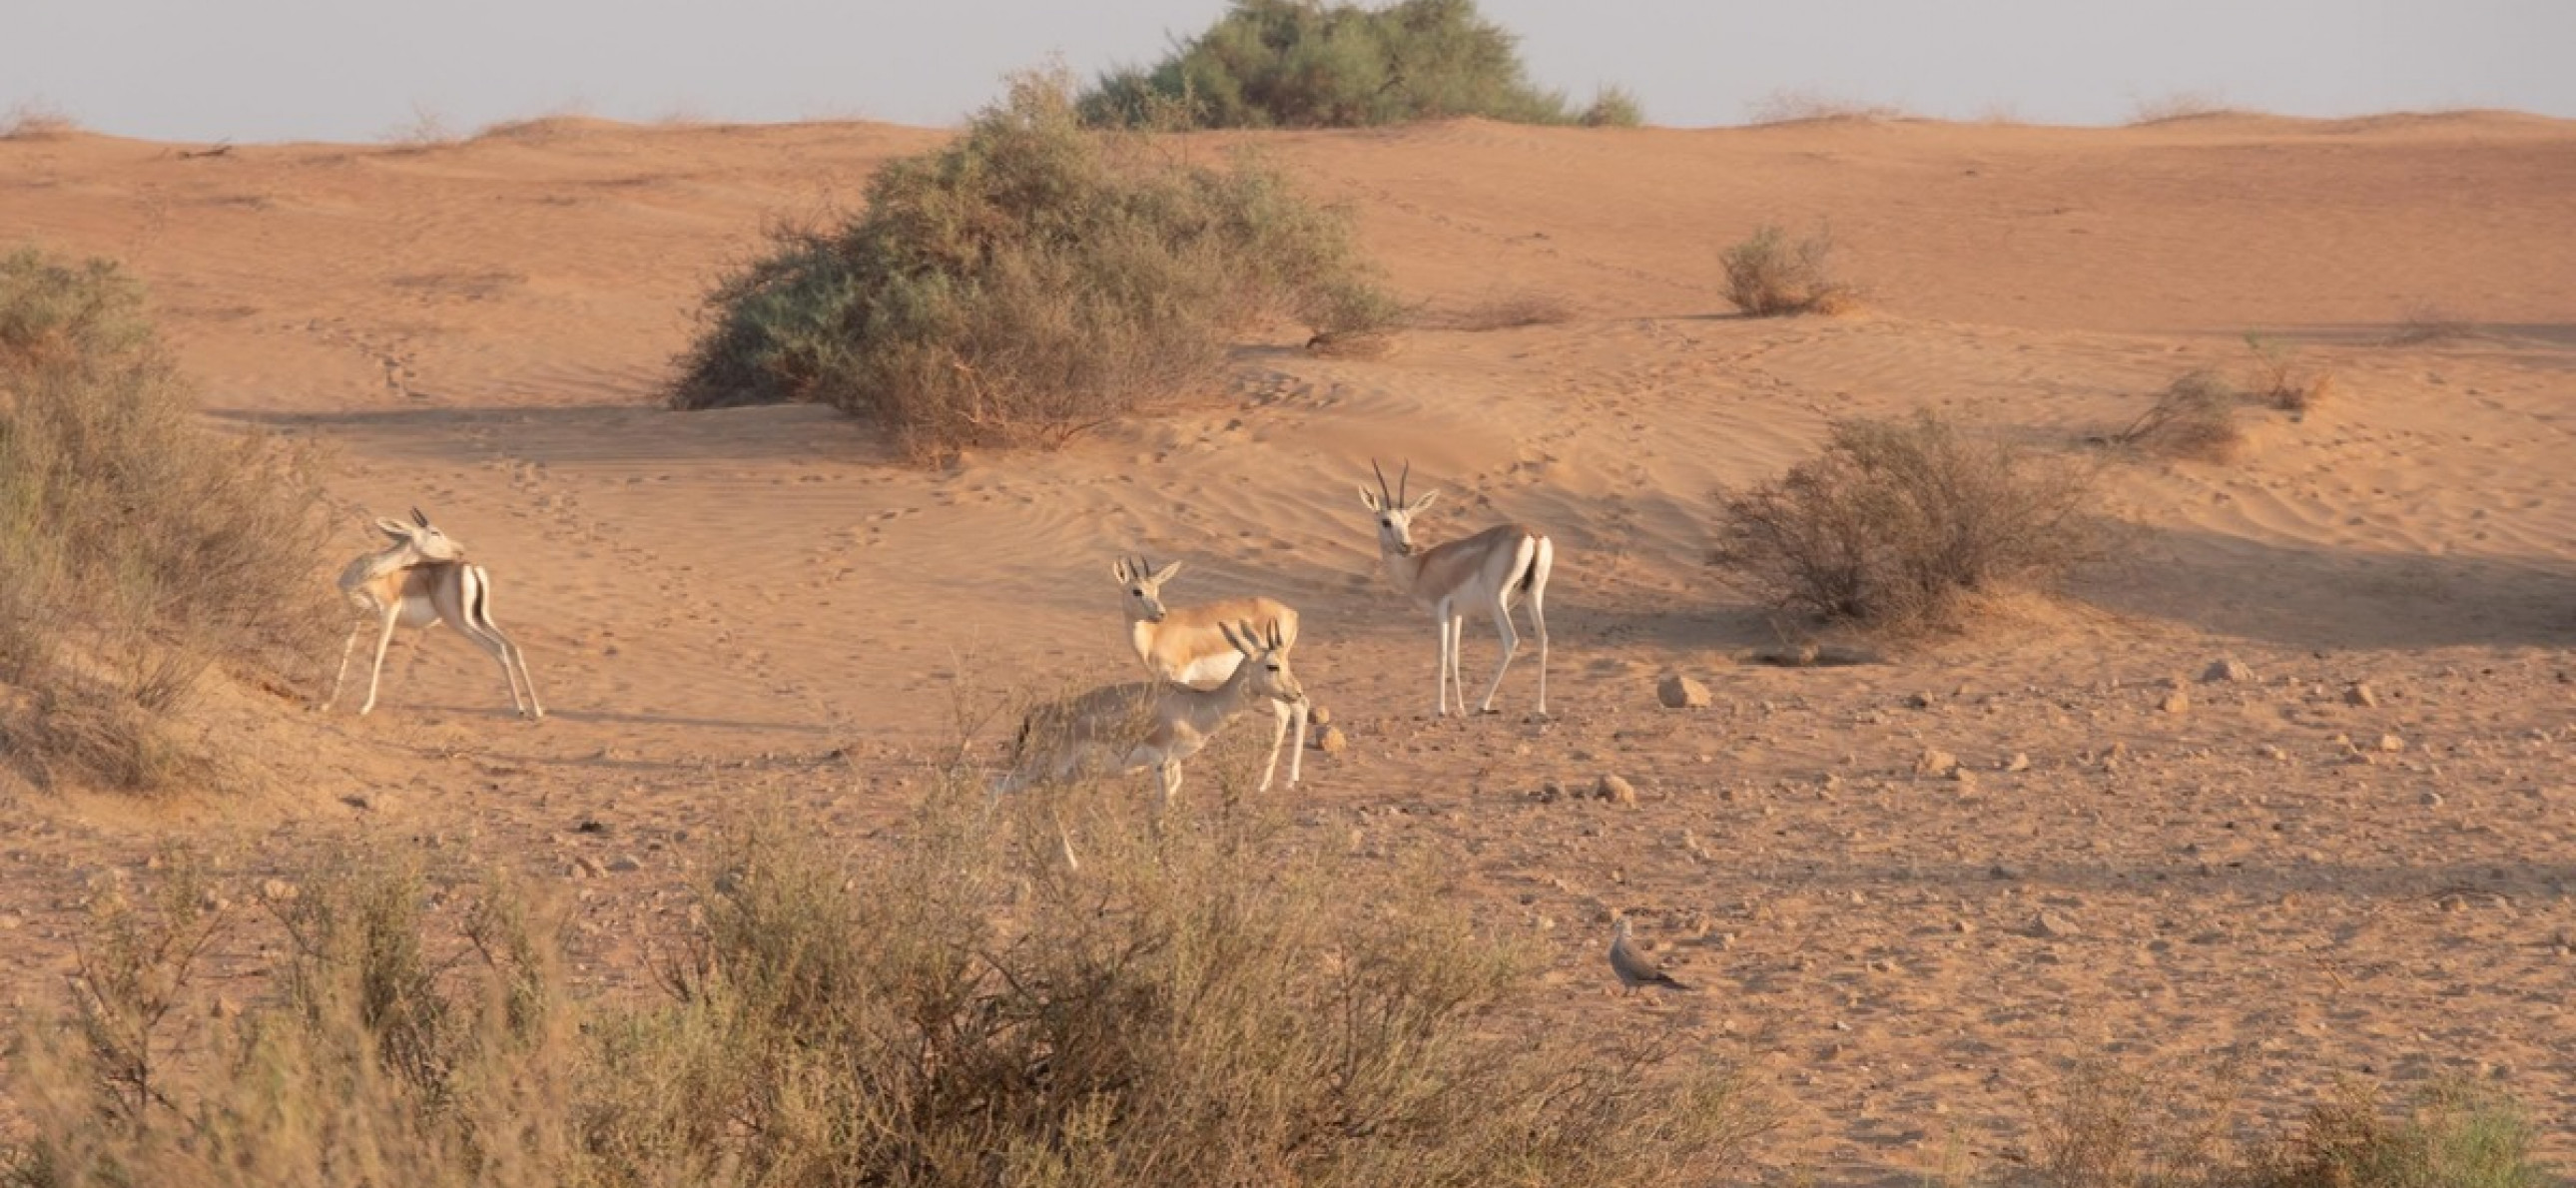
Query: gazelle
x,y
422,581
1123,728
1491,569
1187,645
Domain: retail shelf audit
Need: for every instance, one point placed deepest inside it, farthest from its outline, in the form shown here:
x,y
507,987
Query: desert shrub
x,y
137,548
1791,105
2426,322
2454,1135
36,119
1768,276
1301,64
1511,311
1613,107
1191,1000
1898,523
2194,417
2281,381
1029,281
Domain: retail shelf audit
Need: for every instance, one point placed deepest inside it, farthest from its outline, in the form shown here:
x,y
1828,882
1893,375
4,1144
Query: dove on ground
x,y
1635,969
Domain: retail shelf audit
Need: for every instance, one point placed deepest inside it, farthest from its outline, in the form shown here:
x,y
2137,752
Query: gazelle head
x,y
1394,514
421,537
1263,661
1142,586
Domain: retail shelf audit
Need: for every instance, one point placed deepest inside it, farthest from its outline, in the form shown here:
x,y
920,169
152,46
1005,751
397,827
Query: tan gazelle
x,y
1124,728
1490,570
421,581
1187,644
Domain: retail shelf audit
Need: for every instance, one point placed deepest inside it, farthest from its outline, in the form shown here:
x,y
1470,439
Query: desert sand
x,y
765,603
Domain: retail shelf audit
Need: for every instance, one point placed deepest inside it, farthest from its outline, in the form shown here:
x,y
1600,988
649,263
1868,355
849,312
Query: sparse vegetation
x,y
1768,276
2281,381
2193,418
2426,322
1796,106
1196,1002
1306,64
2109,1127
2179,105
1029,281
36,119
1511,311
1899,524
137,548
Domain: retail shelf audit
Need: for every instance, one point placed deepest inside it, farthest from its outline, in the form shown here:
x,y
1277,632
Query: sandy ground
x,y
761,603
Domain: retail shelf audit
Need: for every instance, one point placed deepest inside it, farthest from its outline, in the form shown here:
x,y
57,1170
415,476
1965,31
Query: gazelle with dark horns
x,y
422,581
1157,724
1491,569
1187,645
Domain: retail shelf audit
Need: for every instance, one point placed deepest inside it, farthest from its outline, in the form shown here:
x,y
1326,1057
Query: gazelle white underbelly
x,y
1211,669
418,612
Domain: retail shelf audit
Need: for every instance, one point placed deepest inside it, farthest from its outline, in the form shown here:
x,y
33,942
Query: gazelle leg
x,y
355,629
384,640
1297,753
1457,644
1511,644
1278,738
537,710
1440,671
1538,625
499,650
1170,771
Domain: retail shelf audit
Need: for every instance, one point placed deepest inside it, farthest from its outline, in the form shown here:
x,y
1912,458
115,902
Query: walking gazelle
x,y
422,581
1123,728
1491,569
1188,645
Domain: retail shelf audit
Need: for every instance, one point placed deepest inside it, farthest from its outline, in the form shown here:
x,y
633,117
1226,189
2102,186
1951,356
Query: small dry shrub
x,y
1769,276
2282,382
1028,282
1613,107
2426,322
2180,105
2455,1134
2194,418
137,548
36,119
1794,105
1898,524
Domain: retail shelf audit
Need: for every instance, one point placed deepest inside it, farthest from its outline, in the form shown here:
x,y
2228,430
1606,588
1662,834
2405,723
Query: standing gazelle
x,y
1122,728
1187,645
422,581
1491,569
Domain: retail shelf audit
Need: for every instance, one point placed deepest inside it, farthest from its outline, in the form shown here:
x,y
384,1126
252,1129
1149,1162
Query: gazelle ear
x,y
1119,572
1428,498
419,517
1234,635
1164,574
394,528
1369,498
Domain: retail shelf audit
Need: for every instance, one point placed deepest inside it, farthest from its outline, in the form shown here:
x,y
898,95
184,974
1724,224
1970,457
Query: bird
x,y
1634,967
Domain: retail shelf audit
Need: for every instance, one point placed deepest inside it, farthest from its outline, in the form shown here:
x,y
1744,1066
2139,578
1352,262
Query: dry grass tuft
x,y
1793,105
2426,323
1901,525
138,550
1028,282
2193,418
1769,276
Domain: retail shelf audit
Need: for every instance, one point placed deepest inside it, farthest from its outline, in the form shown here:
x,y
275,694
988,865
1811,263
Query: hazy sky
x,y
252,70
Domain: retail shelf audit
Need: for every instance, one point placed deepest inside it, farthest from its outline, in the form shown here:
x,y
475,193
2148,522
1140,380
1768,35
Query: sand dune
x,y
721,603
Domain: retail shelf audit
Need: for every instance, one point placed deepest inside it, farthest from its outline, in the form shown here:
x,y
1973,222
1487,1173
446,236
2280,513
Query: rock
x,y
1919,701
2053,926
1617,790
1935,762
2019,762
1319,716
1681,692
1331,741
626,864
1963,927
2432,800
587,867
2359,693
1967,780
2391,744
2176,702
278,890
2226,669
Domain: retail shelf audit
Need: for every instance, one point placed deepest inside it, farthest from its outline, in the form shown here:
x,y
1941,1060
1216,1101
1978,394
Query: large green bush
x,y
1301,64
137,548
1030,280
